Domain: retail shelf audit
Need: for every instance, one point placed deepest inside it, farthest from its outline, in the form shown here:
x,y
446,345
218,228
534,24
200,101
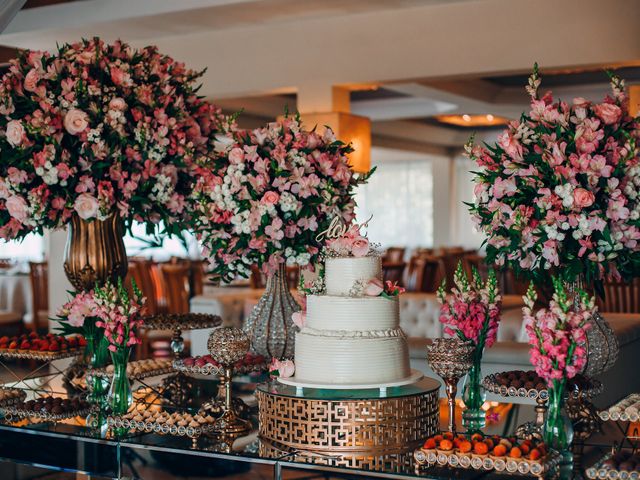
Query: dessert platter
x,y
147,418
41,347
621,465
47,408
528,384
11,396
207,365
488,453
626,410
139,369
351,340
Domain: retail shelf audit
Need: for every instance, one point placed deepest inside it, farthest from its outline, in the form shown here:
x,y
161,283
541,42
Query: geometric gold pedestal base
x,y
349,423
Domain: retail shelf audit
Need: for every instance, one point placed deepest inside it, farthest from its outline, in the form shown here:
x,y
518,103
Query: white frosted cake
x,y
348,337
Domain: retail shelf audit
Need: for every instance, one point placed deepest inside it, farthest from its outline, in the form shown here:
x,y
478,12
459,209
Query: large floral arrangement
x,y
558,334
268,194
559,190
99,129
472,310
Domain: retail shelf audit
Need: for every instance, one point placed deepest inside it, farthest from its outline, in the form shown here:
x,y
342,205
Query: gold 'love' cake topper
x,y
338,229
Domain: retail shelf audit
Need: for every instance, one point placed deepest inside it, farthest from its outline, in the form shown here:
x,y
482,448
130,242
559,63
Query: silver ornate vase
x,y
270,327
602,344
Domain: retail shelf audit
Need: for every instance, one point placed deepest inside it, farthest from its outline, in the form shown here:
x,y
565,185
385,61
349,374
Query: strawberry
x,y
25,345
13,345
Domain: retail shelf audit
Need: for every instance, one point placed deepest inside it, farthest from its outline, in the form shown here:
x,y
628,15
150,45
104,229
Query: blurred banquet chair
x,y
474,260
393,255
176,282
257,278
140,271
293,277
450,260
424,274
620,297
39,278
512,285
393,272
196,277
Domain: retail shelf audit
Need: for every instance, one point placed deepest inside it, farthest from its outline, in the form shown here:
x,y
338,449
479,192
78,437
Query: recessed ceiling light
x,y
489,117
466,118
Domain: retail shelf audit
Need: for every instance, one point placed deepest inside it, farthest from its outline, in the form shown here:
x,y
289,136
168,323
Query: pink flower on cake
x,y
15,133
86,206
299,318
17,208
360,247
583,198
392,289
284,368
76,121
374,288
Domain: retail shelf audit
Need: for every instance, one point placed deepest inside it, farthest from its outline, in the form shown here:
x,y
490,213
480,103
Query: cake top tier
x,y
343,273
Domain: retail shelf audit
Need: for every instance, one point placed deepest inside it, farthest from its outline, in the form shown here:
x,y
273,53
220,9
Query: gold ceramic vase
x,y
95,252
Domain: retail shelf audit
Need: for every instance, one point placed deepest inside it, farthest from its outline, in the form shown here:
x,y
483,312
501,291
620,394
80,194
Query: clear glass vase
x,y
120,395
473,396
558,431
97,356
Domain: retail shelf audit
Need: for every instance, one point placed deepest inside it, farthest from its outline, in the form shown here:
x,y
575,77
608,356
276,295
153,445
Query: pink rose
x,y
119,76
299,319
15,133
287,368
76,121
87,206
31,80
360,247
236,155
374,288
17,208
270,198
117,104
608,112
583,198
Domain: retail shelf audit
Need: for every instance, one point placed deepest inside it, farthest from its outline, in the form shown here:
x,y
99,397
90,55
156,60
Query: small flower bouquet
x,y
559,190
281,368
472,312
268,193
99,129
558,337
120,315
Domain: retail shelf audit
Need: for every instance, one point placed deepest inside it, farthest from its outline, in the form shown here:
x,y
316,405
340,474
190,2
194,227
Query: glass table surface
x,y
78,448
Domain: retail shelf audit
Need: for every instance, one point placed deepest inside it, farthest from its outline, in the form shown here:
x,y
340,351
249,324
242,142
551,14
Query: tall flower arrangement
x,y
558,337
269,192
559,190
472,312
99,129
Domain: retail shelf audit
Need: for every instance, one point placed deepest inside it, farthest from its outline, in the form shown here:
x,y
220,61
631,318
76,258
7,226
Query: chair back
x,y
196,277
393,255
393,272
424,274
39,278
140,270
257,278
620,297
450,262
176,282
293,277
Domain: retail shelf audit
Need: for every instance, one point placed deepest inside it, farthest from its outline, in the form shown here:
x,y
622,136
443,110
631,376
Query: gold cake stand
x,y
348,424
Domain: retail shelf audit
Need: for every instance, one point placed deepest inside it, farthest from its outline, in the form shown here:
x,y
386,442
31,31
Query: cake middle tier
x,y
327,312
347,360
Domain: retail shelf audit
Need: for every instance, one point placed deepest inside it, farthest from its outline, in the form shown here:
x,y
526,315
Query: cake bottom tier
x,y
348,360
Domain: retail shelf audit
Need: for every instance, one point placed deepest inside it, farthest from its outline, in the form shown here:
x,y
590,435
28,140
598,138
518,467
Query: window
x,y
141,244
29,249
399,195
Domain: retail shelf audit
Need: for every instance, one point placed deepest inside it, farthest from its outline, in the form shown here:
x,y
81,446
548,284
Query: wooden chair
x,y
196,277
39,277
424,274
450,262
394,272
293,277
140,270
620,297
474,260
176,281
257,278
393,255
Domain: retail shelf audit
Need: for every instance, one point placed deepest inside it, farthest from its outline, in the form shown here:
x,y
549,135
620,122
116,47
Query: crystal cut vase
x,y
270,327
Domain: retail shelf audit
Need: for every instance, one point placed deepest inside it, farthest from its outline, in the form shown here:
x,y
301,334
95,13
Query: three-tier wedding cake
x,y
351,334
